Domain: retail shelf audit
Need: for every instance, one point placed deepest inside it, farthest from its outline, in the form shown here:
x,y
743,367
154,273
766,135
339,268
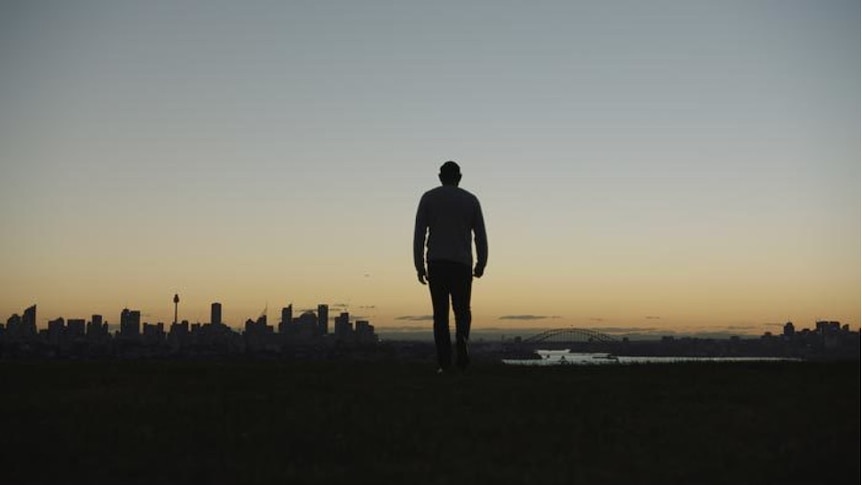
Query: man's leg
x,y
438,284
462,284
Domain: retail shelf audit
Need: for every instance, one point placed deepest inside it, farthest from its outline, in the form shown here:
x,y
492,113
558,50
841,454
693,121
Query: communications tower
x,y
176,307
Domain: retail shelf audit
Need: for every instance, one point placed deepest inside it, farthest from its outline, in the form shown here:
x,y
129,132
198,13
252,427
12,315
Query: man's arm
x,y
481,240
419,231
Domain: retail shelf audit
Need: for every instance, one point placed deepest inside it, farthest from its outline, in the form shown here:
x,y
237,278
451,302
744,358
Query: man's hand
x,y
421,275
478,271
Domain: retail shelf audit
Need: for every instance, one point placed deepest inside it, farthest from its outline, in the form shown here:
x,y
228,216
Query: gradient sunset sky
x,y
671,164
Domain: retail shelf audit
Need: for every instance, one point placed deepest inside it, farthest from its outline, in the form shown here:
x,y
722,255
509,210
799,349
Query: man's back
x,y
451,215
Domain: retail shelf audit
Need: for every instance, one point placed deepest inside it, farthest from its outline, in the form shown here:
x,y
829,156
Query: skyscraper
x,y
215,313
343,328
13,327
56,330
75,328
286,319
95,328
322,319
130,323
365,332
28,323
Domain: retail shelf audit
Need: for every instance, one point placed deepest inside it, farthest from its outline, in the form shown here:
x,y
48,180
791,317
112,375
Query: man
x,y
450,217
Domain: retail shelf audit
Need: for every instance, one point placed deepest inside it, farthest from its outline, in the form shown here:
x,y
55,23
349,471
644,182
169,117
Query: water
x,y
564,357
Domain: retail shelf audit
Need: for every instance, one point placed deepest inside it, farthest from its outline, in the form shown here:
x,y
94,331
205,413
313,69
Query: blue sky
x,y
668,157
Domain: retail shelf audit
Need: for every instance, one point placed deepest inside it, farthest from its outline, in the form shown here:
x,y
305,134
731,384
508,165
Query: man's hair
x,y
450,171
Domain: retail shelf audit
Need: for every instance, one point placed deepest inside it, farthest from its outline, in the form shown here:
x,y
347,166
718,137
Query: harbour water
x,y
565,357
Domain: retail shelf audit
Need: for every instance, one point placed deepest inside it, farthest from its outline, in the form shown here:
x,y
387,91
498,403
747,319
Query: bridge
x,y
569,335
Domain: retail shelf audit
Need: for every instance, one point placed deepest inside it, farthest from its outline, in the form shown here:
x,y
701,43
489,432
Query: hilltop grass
x,y
345,422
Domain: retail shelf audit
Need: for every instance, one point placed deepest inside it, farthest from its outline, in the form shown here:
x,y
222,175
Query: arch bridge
x,y
570,335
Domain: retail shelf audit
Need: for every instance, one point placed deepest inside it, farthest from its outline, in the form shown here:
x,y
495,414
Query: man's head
x,y
450,173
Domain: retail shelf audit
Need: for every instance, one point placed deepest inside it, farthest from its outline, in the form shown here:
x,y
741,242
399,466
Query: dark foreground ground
x,y
342,422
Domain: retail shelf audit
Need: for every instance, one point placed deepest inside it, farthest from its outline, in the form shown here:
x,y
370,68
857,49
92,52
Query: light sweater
x,y
450,216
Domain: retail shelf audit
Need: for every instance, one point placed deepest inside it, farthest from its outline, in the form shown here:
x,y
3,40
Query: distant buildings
x,y
308,327
215,313
96,330
258,335
60,333
344,331
307,336
153,334
304,327
76,328
322,319
56,328
28,323
343,327
310,330
286,319
130,324
364,331
20,328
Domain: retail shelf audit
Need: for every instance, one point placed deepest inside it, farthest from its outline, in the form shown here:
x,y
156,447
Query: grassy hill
x,y
399,422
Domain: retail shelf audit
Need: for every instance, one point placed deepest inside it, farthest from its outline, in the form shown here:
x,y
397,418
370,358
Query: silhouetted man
x,y
450,217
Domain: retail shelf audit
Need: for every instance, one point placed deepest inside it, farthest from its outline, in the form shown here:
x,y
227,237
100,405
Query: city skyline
x,y
672,164
311,329
410,323
215,315
304,328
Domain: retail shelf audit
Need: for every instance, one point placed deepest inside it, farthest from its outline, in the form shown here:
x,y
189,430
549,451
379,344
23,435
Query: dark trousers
x,y
447,279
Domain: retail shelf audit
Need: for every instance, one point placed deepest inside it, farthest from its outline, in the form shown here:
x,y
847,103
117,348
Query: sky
x,y
671,164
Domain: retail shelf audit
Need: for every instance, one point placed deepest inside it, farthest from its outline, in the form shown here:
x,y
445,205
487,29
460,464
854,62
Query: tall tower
x,y
215,313
29,322
176,306
322,319
286,318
